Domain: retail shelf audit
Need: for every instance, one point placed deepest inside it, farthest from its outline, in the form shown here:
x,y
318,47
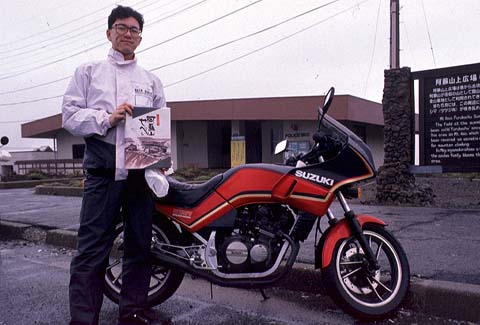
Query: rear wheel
x,y
360,291
163,282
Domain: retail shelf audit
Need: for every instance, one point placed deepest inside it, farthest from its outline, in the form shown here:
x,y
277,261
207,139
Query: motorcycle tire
x,y
362,293
164,281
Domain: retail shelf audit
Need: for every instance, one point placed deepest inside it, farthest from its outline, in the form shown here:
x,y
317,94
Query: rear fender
x,y
341,230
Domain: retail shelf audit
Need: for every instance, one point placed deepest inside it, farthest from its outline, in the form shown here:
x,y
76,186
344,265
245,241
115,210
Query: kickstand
x,y
211,290
265,297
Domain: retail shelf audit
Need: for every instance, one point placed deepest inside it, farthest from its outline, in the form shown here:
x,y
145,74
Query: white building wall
x,y
31,155
189,141
299,130
64,144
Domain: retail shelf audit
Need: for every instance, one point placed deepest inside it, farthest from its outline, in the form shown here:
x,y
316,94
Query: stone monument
x,y
395,183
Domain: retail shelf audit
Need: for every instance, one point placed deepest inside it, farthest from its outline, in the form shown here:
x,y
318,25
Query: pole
x,y
394,34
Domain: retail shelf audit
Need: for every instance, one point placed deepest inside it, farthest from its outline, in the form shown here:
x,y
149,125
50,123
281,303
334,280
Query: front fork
x,y
356,231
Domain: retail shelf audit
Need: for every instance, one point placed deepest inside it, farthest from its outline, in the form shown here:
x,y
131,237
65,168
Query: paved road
x,y
441,244
33,290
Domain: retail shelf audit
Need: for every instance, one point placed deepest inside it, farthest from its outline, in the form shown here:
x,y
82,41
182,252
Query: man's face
x,y
122,38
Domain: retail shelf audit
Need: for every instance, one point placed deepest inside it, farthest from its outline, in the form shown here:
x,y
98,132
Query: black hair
x,y
121,12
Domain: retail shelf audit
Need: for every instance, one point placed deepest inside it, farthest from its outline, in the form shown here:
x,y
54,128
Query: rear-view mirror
x,y
281,147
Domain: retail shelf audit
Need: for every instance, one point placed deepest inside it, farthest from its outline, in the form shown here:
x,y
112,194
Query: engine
x,y
255,242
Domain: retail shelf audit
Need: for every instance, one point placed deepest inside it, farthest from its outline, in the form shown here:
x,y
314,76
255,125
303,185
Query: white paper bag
x,y
157,181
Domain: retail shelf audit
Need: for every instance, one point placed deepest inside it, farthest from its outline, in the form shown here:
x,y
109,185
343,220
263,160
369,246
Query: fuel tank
x,y
250,184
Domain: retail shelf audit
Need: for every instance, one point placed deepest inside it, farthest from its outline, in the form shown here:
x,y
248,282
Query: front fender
x,y
339,231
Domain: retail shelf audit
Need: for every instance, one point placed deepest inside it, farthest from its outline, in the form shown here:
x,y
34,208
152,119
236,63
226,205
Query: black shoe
x,y
139,318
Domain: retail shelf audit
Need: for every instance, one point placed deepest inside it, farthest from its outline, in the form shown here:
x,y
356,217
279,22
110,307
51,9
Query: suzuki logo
x,y
314,177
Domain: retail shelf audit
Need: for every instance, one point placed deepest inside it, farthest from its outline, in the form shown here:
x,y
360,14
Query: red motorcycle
x,y
243,228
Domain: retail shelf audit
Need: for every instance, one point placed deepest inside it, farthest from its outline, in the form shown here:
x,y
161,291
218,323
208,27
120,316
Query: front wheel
x,y
365,293
163,282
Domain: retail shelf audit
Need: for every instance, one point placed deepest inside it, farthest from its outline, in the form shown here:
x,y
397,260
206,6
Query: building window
x,y
276,135
298,146
78,151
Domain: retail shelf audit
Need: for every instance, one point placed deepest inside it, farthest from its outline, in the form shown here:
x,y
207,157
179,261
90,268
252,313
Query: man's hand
x,y
120,114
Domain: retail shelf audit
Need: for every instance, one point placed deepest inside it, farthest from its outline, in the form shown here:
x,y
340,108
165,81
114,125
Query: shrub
x,y
36,175
193,173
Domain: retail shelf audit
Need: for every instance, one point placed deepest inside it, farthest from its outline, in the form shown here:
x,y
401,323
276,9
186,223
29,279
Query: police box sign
x,y
449,108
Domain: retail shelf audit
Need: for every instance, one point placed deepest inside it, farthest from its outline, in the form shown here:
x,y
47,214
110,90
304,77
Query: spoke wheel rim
x,y
113,274
366,289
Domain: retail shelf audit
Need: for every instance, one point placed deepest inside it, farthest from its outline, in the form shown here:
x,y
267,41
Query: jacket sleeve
x,y
158,93
77,118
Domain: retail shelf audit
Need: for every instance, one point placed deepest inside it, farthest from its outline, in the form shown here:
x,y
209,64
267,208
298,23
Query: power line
x,y
428,33
202,52
266,46
30,101
155,45
35,86
231,60
52,62
94,46
373,49
59,26
73,38
52,8
244,37
408,42
143,50
201,26
36,42
63,43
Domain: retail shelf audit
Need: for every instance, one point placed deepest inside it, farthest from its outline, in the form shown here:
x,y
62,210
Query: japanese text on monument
x,y
452,116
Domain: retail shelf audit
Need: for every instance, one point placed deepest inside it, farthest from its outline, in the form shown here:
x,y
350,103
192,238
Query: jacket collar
x,y
116,57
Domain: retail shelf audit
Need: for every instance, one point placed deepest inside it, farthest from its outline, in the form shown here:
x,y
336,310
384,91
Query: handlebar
x,y
325,145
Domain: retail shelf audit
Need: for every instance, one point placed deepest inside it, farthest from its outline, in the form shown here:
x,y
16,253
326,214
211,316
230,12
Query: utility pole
x,y
394,34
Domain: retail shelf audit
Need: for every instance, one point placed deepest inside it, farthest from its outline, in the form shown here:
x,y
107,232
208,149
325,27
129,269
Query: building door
x,y
218,139
253,141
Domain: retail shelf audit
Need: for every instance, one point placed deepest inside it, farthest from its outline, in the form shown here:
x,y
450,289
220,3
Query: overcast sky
x,y
214,49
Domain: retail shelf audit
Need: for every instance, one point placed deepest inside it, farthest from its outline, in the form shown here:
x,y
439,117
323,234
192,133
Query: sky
x,y
217,49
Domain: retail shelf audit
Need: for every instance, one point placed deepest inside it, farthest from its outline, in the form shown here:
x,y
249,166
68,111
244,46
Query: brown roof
x,y
344,108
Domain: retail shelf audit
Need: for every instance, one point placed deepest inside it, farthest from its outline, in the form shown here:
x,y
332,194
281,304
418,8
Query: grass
x,y
195,174
188,174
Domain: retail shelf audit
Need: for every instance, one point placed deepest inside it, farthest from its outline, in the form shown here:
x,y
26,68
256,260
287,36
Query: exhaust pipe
x,y
175,263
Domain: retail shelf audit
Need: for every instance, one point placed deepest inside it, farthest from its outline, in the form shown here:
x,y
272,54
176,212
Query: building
x,y
202,130
21,161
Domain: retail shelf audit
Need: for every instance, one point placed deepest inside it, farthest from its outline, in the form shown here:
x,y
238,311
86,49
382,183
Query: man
x,y
95,104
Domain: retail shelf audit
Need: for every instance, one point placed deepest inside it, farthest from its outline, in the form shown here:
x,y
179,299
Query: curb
x,y
59,190
459,301
32,183
37,234
63,238
453,300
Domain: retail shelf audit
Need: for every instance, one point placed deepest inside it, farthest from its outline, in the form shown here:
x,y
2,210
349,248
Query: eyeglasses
x,y
122,30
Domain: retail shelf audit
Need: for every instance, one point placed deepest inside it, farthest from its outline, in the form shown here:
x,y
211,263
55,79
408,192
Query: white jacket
x,y
94,92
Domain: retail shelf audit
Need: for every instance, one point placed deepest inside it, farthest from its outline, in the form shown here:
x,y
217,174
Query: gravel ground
x,y
449,192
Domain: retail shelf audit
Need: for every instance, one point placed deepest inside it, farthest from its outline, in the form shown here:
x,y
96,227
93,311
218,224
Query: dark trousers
x,y
102,201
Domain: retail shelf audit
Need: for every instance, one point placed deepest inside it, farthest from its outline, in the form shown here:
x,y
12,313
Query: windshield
x,y
341,133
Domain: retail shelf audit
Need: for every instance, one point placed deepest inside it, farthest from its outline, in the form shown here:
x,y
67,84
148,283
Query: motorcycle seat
x,y
183,194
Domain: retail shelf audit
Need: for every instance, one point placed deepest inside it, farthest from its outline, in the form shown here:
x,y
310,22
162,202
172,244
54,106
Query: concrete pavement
x,y
442,246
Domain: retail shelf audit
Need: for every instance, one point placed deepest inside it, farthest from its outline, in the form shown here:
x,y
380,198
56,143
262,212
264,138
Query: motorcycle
x,y
244,228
